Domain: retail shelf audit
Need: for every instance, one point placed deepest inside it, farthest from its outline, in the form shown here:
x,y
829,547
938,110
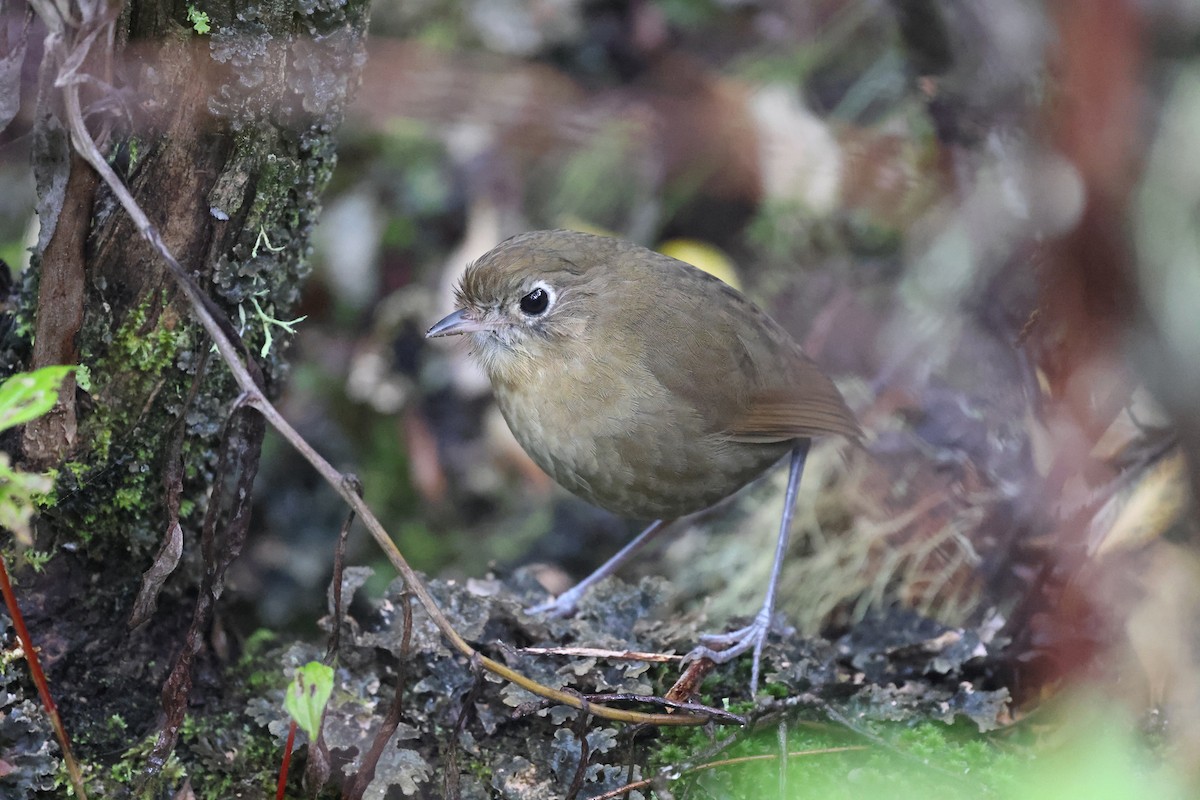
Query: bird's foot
x,y
565,604
724,647
560,607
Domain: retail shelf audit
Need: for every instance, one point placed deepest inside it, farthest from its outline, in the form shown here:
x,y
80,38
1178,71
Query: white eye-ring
x,y
538,300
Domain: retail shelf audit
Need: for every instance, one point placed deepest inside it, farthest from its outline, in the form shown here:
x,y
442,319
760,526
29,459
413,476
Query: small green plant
x,y
37,559
267,321
199,20
24,397
263,241
307,696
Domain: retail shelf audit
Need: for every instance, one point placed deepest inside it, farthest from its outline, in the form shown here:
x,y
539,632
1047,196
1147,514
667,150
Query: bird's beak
x,y
454,324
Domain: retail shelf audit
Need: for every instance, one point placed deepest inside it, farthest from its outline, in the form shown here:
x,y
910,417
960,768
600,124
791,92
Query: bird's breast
x,y
621,441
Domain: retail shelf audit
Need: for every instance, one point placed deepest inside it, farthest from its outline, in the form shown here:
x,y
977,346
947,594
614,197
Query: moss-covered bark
x,y
226,140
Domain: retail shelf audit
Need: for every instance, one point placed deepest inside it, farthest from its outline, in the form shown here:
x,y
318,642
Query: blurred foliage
x,y
24,397
1093,755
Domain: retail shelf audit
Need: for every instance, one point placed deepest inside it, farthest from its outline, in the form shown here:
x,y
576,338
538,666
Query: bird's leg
x,y
564,604
729,646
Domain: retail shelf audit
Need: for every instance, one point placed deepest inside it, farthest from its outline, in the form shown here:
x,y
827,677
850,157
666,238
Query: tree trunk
x,y
226,140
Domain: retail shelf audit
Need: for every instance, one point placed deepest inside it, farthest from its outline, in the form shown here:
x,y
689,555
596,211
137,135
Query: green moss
x,y
128,498
778,691
148,349
229,758
481,770
102,443
76,469
262,680
929,760
111,493
256,645
37,559
119,778
677,746
895,760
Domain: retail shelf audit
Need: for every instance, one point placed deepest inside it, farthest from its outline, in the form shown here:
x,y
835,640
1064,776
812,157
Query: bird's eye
x,y
536,302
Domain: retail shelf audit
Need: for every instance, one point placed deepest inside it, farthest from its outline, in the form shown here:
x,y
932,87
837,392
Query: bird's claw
x,y
721,648
725,647
561,607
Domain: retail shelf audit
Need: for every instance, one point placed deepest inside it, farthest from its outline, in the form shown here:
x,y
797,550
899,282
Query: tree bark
x,y
226,141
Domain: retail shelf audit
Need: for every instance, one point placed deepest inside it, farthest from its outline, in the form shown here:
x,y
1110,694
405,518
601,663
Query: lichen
x,y
520,747
26,740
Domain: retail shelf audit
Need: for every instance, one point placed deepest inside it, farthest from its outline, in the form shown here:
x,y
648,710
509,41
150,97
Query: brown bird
x,y
643,385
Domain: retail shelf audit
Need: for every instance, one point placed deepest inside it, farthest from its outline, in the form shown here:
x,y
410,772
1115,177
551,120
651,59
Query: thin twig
x,y
580,729
356,788
453,792
335,583
601,652
716,714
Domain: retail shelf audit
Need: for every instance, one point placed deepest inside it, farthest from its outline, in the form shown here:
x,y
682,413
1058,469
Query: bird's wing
x,y
776,416
758,387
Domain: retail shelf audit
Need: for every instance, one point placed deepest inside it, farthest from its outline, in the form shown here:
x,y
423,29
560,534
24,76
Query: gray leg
x,y
731,645
564,604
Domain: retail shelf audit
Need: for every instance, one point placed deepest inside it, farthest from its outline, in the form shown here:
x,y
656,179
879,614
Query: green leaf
x,y
28,395
308,695
199,20
19,492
